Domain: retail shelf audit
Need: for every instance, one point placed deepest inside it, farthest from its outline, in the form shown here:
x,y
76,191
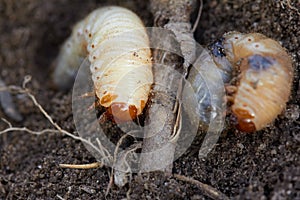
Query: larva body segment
x,y
264,80
116,43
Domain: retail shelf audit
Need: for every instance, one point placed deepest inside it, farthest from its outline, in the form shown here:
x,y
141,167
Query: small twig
x,y
60,197
82,166
24,129
119,143
128,194
58,129
198,16
110,184
288,2
106,157
111,181
206,189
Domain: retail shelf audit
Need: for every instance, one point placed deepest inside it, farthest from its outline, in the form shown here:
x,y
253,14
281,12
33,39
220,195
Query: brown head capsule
x,y
265,79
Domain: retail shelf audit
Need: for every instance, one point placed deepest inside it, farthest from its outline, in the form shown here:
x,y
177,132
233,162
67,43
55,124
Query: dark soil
x,y
263,165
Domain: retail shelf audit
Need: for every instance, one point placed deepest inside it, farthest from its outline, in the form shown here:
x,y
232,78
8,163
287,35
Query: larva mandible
x,y
264,79
117,45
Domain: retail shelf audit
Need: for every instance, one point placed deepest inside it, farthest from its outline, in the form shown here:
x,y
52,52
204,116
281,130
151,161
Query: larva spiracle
x,y
264,79
117,45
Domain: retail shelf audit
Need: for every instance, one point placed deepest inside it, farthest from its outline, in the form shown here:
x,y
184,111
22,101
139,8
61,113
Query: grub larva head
x,y
219,56
243,120
122,112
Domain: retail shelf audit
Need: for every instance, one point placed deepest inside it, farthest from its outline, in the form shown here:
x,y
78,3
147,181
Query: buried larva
x,y
117,46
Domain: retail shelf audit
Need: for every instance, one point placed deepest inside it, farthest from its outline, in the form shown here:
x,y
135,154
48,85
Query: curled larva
x,y
264,77
117,45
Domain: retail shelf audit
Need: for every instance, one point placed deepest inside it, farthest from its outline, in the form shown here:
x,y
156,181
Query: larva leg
x,y
178,109
178,97
230,89
178,124
229,99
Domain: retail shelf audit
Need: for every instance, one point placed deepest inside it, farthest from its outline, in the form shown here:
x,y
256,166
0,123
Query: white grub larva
x,y
117,45
263,83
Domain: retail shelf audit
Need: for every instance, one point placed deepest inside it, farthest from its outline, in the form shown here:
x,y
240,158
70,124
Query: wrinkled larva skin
x,y
264,80
117,46
204,77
